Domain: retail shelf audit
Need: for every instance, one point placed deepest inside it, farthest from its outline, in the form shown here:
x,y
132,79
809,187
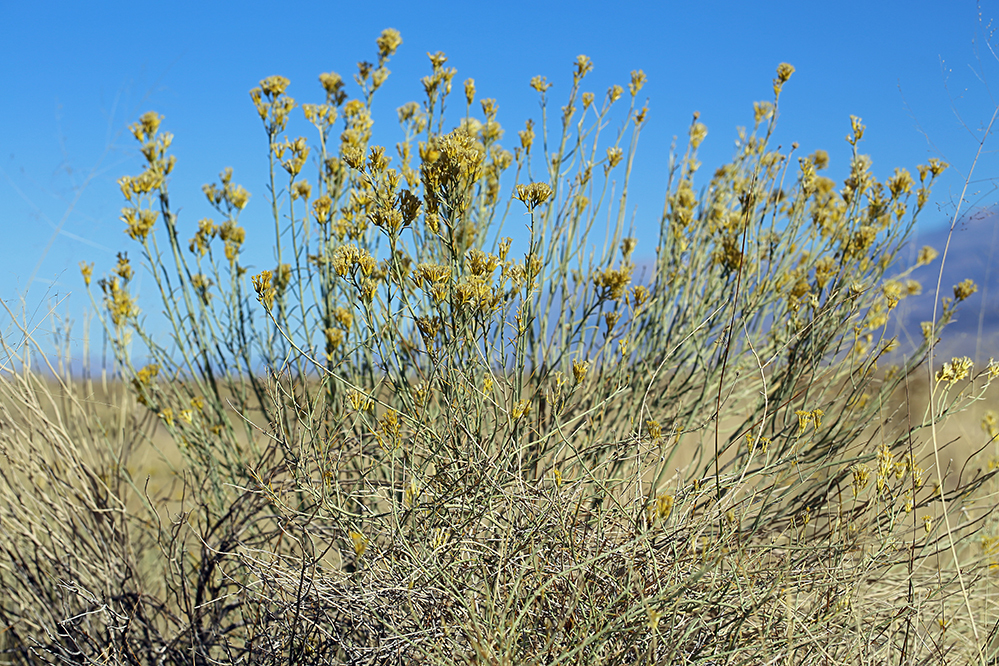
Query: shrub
x,y
415,439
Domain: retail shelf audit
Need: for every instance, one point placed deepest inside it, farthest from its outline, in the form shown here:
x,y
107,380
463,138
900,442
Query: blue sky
x,y
76,74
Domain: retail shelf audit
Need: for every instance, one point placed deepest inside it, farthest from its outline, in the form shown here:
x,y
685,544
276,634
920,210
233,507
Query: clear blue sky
x,y
76,74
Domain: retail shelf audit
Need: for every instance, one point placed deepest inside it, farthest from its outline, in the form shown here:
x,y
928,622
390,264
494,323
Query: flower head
x,y
533,194
388,42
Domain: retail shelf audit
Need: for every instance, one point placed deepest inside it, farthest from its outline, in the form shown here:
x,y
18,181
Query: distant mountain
x,y
973,253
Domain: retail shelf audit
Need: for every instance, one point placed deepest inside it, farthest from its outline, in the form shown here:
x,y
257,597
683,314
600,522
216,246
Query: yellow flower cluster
x,y
266,292
348,257
292,155
272,105
119,303
784,72
388,42
990,423
235,197
533,194
199,244
450,166
662,508
233,237
143,381
612,282
926,256
813,417
964,290
476,293
138,222
954,371
201,285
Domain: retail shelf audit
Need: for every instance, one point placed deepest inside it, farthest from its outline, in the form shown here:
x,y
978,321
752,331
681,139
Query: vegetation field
x,y
451,424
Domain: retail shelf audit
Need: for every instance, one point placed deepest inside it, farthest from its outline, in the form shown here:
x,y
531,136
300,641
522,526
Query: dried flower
x,y
954,371
301,190
138,222
964,290
469,91
521,408
527,136
638,80
540,84
321,208
119,303
926,256
266,292
87,270
614,155
612,282
663,507
273,86
784,72
861,474
990,423
146,128
533,194
388,42
360,543
123,269
698,131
